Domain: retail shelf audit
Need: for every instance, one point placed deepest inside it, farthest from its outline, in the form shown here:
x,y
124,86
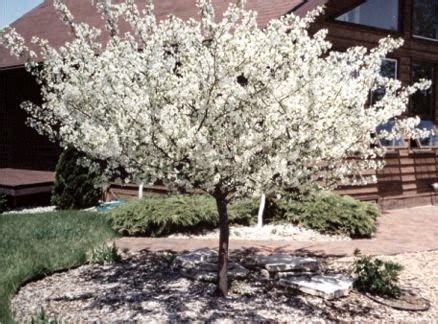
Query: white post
x,y
261,209
140,190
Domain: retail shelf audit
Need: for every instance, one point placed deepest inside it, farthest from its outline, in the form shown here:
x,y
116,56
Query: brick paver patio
x,y
400,231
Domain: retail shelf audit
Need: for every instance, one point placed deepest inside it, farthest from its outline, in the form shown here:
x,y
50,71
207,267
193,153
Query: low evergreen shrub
x,y
75,187
326,213
329,213
3,203
159,216
377,277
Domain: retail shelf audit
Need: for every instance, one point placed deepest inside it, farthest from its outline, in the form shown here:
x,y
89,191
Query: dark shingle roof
x,y
44,22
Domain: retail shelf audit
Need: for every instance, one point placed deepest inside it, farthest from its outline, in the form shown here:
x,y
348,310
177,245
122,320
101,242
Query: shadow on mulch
x,y
304,252
148,277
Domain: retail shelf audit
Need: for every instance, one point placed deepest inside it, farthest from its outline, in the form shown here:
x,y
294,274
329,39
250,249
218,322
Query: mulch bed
x,y
145,287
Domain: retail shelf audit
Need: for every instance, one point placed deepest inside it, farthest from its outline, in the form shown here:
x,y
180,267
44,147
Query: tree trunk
x,y
224,233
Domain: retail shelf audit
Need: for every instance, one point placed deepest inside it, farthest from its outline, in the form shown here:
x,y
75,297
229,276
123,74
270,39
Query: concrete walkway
x,y
400,231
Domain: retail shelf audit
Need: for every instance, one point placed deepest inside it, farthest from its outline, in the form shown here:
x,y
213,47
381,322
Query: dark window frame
x,y
397,65
433,105
397,73
418,37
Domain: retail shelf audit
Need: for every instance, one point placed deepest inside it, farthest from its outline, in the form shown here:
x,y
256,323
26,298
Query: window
x,y
422,101
388,127
374,13
387,70
425,23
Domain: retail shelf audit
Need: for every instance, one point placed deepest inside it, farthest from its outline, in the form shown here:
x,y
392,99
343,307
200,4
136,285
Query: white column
x,y
140,190
261,209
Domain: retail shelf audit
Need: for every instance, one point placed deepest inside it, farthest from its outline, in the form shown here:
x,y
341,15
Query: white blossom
x,y
212,103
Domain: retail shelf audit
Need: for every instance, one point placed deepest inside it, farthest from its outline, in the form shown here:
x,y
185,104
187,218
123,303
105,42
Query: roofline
x,y
298,6
19,65
12,67
25,14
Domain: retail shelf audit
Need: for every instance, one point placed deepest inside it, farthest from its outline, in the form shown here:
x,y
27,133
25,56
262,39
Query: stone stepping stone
x,y
235,271
286,262
281,275
326,286
202,265
194,258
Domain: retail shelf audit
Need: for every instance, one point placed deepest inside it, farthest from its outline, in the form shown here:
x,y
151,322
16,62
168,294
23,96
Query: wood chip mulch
x,y
145,287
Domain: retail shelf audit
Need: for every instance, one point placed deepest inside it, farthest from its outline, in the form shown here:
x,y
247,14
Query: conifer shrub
x,y
329,213
3,203
75,187
377,277
159,216
324,212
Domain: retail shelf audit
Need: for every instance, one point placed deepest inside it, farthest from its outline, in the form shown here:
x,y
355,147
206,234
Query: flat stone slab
x,y
235,271
286,262
203,265
326,286
195,258
287,275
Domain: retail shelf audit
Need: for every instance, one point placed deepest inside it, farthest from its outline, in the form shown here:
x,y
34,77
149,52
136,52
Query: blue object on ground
x,y
106,206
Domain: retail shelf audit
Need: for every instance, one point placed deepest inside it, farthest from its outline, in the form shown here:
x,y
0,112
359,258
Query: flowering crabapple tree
x,y
214,104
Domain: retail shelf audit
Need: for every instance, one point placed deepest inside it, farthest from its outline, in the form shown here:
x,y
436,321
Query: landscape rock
x,y
264,274
235,271
200,275
286,262
195,258
202,265
281,275
326,286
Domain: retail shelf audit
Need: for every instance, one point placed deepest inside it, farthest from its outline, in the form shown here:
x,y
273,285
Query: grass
x,y
35,245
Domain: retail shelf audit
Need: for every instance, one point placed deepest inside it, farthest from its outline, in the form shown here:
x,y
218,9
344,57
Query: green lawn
x,y
37,244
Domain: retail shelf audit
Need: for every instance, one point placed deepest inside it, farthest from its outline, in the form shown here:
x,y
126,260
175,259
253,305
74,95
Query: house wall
x,y
3,125
407,177
21,146
405,181
344,35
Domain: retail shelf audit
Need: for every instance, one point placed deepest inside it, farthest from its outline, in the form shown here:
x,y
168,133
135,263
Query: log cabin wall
x,y
21,147
4,151
405,181
415,50
409,173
